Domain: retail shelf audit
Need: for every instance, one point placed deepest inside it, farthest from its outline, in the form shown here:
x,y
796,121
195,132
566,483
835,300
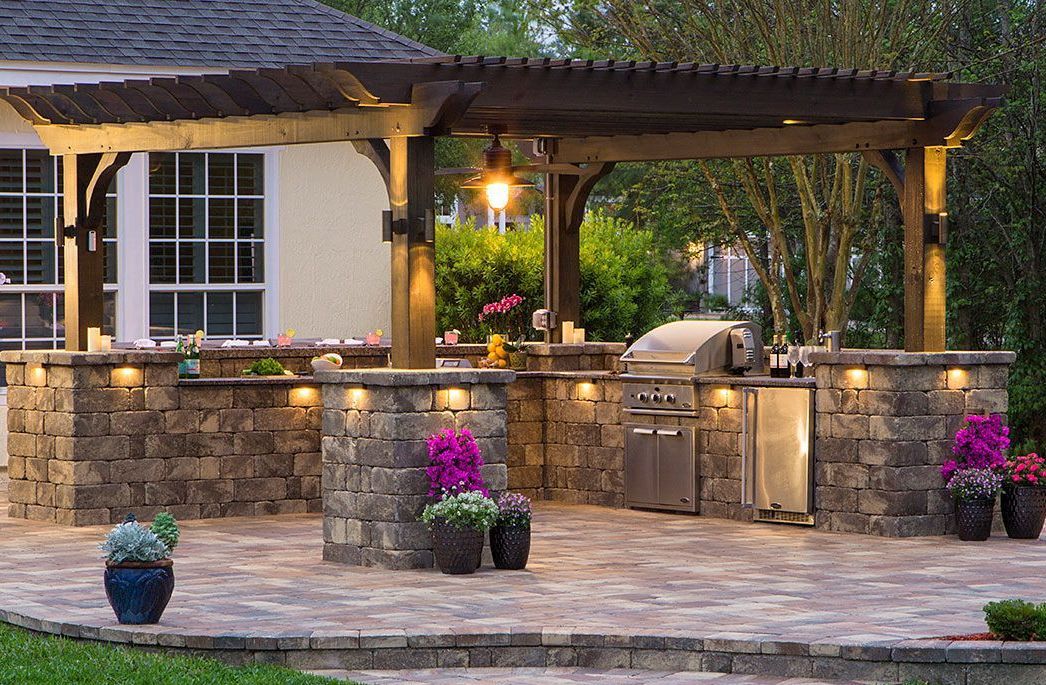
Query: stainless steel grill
x,y
691,348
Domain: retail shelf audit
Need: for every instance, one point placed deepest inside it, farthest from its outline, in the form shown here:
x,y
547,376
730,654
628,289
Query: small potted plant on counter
x,y
139,572
1024,496
974,491
506,323
267,367
458,523
510,536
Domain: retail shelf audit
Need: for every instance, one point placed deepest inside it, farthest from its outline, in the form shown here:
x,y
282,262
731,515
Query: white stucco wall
x,y
333,268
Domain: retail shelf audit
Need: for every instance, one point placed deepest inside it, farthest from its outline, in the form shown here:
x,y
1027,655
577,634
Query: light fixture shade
x,y
497,178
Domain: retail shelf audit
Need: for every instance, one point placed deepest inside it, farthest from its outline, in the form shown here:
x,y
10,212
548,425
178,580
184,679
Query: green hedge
x,y
625,284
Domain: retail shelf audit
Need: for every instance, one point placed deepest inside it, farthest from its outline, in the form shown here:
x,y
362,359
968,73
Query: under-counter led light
x,y
857,376
587,390
457,399
127,376
958,378
303,395
356,397
36,374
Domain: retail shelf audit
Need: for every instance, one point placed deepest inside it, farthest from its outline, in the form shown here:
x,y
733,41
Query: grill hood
x,y
690,348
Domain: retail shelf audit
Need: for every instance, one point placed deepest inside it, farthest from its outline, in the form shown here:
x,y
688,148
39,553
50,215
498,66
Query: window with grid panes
x,y
31,305
206,244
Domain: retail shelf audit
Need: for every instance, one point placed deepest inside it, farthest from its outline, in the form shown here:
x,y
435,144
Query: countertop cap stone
x,y
407,377
902,358
67,358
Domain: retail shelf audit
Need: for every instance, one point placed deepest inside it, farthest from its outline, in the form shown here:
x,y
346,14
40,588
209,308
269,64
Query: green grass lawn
x,y
28,659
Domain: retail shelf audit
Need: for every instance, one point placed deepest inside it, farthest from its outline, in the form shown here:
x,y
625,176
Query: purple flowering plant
x,y
969,485
513,510
454,463
980,444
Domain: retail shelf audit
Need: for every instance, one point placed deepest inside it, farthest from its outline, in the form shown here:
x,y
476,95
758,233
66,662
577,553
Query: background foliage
x,y
625,287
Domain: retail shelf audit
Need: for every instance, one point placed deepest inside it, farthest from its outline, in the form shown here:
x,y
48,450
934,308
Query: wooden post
x,y
412,199
85,181
565,197
923,206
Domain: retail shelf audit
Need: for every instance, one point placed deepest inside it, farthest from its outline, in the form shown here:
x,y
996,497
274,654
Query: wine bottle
x,y
180,349
775,358
192,359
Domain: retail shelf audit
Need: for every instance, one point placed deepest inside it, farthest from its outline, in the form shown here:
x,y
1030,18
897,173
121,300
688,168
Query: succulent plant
x,y
132,542
166,528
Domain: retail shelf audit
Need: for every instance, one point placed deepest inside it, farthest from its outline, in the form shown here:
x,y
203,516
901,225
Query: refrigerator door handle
x,y
676,433
644,431
748,396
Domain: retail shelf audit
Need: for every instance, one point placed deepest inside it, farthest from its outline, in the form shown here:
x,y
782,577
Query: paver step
x,y
560,676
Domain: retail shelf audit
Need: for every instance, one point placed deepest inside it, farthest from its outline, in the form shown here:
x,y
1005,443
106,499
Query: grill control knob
x,y
670,398
642,397
656,397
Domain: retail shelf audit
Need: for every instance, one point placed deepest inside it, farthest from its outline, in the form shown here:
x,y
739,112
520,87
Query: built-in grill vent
x,y
774,516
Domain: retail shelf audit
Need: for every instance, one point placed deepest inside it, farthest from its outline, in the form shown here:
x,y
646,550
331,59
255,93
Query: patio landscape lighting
x,y
497,177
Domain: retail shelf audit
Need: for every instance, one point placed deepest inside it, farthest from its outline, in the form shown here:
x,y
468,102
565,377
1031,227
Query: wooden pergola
x,y
584,115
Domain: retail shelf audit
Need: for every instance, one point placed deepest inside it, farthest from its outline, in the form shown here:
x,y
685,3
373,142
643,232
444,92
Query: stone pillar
x,y
375,423
885,423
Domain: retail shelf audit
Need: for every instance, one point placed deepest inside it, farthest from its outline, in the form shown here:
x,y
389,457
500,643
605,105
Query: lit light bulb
x,y
497,196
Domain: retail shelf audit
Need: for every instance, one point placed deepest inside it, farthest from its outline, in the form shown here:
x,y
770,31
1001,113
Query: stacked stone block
x,y
93,436
575,357
885,424
375,423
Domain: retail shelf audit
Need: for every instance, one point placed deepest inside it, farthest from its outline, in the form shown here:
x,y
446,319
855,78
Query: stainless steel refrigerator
x,y
777,456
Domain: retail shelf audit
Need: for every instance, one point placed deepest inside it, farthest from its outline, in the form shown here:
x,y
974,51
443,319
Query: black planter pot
x,y
974,519
457,550
1023,511
138,592
510,546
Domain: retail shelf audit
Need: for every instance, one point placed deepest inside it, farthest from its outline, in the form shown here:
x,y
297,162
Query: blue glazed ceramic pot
x,y
139,591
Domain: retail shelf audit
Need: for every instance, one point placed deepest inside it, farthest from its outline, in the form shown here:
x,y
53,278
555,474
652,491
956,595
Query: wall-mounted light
x,y
588,390
36,374
497,177
304,395
857,377
127,376
357,395
936,228
958,378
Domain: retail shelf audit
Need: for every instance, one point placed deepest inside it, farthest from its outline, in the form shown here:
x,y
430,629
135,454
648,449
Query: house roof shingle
x,y
215,33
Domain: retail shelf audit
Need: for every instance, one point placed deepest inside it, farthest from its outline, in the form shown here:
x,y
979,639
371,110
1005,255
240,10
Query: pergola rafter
x,y
587,115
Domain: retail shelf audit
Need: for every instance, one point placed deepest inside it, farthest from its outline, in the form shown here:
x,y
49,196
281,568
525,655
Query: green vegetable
x,y
266,367
166,528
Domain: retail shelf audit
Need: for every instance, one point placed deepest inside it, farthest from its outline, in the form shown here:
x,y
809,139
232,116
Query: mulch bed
x,y
980,637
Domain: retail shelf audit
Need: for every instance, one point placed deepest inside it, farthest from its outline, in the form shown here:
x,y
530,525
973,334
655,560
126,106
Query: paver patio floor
x,y
591,569
562,676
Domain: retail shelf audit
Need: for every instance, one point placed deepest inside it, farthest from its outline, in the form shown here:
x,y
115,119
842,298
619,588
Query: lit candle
x,y
579,335
94,339
106,343
567,329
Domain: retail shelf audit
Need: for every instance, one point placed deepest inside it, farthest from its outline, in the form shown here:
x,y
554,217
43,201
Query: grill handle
x,y
749,396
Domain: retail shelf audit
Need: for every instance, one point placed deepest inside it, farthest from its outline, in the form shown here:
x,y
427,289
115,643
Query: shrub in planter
x,y
1024,496
974,491
458,523
139,573
1015,619
510,536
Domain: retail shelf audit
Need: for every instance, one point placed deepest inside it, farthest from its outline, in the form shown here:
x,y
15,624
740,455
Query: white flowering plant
x,y
465,510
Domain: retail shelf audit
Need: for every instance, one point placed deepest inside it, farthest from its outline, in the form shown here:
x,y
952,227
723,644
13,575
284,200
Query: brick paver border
x,y
877,659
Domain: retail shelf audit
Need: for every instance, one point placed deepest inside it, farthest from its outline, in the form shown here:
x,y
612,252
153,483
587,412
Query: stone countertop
x,y
902,358
250,380
756,381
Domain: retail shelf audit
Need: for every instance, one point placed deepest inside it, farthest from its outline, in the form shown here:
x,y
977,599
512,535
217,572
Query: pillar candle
x,y
567,330
106,343
94,339
579,335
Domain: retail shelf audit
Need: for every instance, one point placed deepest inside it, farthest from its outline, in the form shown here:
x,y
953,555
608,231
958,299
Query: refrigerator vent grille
x,y
774,516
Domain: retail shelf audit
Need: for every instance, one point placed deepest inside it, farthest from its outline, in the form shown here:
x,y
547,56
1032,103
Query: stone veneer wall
x,y
886,422
375,423
94,436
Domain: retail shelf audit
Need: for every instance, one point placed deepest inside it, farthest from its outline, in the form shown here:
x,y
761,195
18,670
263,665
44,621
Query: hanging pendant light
x,y
497,177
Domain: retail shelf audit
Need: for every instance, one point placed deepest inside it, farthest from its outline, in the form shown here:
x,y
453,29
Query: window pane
x,y
161,173
40,262
59,305
109,314
109,220
192,218
39,217
162,223
219,313
192,263
10,315
252,261
221,174
162,262
249,313
11,254
190,312
191,176
251,219
39,171
161,315
222,219
11,217
109,262
223,262
10,171
251,170
39,315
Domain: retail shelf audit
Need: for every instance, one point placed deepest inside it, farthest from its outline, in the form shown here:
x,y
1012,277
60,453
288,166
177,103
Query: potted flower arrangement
x,y
462,510
974,491
510,536
505,321
1024,496
980,444
139,572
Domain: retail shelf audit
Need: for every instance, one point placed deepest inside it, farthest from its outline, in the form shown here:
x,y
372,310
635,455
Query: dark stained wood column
x,y
412,199
565,198
85,181
923,204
